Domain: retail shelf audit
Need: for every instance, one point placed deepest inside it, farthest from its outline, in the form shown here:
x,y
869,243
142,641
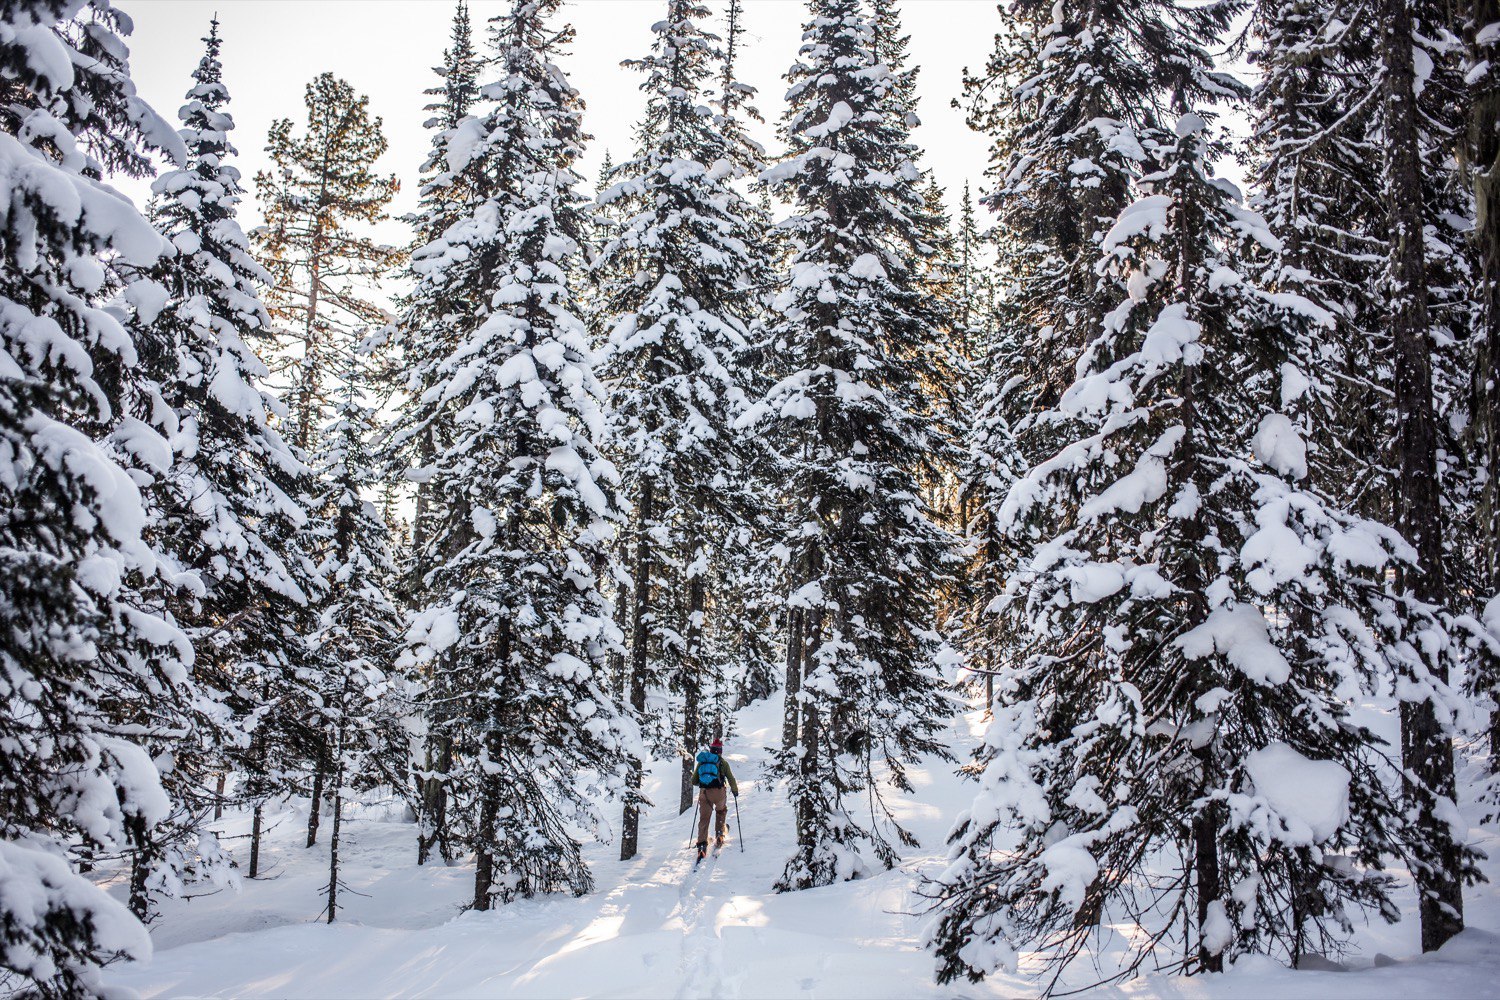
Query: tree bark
x,y
140,865
1208,878
489,812
640,638
316,803
1484,156
809,743
256,786
432,831
333,838
692,684
791,712
255,830
1426,751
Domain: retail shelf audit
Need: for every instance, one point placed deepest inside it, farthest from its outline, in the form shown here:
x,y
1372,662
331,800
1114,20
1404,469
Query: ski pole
x,y
737,828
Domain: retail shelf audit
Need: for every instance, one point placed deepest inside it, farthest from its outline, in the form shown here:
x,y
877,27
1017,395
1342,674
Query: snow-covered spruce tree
x,y
857,435
1187,606
78,634
1482,152
512,620
234,495
423,339
991,461
746,660
442,197
1316,162
359,705
1425,303
1336,74
1067,96
321,187
679,269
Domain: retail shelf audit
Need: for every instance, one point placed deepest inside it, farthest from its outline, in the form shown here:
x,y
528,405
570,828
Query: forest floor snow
x,y
658,927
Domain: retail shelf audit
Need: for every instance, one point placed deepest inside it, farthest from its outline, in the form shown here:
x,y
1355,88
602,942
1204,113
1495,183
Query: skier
x,y
712,773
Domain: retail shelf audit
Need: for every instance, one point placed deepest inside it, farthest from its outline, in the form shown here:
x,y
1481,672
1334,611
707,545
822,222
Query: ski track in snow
x,y
658,927
702,967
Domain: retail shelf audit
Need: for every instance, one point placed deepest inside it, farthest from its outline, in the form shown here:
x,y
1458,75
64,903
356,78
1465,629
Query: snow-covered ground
x,y
655,927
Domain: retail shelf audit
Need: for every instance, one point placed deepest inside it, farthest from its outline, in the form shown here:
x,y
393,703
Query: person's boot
x,y
719,840
702,849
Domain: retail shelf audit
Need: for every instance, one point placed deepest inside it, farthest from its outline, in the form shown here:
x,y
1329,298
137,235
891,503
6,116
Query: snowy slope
x,y
657,928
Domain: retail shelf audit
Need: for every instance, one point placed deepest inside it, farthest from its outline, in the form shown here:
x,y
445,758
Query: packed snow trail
x,y
655,927
701,971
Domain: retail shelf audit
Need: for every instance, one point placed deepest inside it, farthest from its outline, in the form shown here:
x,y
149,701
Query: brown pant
x,y
716,801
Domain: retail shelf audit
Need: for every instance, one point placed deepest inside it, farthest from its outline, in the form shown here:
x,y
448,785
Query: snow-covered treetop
x,y
680,269
735,95
196,206
527,356
454,97
1072,93
838,81
238,484
682,61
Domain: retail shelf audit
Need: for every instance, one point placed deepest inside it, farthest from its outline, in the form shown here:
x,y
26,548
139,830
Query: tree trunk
x,y
255,831
315,805
333,837
1206,830
486,846
141,857
219,798
791,711
691,738
810,744
1484,154
308,391
433,828
255,782
1208,878
1426,751
640,623
692,685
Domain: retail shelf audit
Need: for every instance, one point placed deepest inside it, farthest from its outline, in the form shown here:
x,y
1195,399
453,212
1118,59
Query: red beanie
x,y
716,745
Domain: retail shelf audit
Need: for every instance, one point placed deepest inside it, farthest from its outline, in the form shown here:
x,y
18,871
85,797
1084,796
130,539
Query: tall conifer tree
x,y
321,186
78,636
360,704
1336,77
680,267
857,434
235,494
513,621
424,338
1154,718
1420,294
991,346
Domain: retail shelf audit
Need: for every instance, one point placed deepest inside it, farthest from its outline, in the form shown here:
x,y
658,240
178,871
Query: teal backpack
x,y
707,771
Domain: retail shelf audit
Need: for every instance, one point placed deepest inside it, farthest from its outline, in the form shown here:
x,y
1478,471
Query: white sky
x,y
387,48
